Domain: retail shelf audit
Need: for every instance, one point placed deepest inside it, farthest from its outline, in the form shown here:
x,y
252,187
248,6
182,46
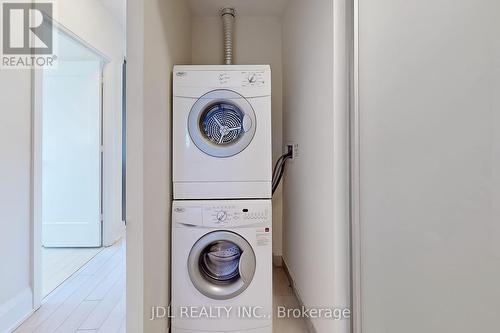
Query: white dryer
x,y
222,132
222,266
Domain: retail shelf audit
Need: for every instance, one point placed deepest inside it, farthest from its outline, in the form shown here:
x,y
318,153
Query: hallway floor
x,y
93,300
58,264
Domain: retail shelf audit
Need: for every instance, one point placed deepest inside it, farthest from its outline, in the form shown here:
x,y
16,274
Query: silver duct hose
x,y
227,15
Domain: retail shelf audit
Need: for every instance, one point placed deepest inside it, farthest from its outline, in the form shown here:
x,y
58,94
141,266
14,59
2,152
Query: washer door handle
x,y
247,266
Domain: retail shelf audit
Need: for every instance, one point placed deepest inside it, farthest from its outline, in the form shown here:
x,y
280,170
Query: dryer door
x,y
222,123
221,265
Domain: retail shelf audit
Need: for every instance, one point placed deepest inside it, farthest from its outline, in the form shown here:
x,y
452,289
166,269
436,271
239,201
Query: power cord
x,y
279,169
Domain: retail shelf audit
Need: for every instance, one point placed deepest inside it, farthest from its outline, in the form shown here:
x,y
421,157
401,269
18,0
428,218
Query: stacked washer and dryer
x,y
222,215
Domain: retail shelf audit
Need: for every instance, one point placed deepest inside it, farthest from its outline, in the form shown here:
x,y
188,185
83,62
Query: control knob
x,y
221,216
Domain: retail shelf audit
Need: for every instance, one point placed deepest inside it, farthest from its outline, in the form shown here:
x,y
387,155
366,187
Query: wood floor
x,y
91,300
61,263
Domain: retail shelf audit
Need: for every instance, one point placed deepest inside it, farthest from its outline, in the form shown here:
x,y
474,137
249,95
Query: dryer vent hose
x,y
227,15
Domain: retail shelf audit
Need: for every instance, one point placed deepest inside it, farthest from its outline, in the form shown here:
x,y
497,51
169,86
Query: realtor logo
x,y
27,34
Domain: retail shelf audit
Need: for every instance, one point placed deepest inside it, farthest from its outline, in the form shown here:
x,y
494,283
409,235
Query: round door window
x,y
219,262
222,123
221,265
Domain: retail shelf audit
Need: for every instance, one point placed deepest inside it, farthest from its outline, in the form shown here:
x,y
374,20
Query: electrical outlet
x,y
292,147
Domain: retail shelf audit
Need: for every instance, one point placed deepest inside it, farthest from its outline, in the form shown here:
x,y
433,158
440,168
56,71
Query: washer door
x,y
222,123
221,265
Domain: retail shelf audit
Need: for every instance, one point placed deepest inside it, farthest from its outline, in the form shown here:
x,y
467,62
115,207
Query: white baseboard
x,y
16,310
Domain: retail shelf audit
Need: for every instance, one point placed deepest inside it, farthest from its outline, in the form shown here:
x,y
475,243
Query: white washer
x,y
222,132
222,266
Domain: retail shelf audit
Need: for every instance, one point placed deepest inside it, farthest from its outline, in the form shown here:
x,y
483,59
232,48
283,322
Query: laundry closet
x,y
296,38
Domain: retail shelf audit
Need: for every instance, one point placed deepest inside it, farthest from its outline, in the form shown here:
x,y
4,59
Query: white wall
x,y
257,40
15,148
316,183
308,122
95,24
15,172
430,165
158,36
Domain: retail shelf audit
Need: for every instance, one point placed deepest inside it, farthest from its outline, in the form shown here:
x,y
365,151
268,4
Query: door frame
x,y
355,178
36,174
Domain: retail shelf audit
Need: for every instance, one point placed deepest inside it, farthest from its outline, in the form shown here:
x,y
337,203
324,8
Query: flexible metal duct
x,y
227,15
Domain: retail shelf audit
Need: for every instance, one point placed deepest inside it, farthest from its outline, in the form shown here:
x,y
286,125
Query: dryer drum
x,y
222,123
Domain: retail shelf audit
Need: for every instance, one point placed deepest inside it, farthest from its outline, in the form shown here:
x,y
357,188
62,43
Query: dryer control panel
x,y
247,80
253,79
223,79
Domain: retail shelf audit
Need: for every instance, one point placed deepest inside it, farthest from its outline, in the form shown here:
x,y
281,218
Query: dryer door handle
x,y
247,266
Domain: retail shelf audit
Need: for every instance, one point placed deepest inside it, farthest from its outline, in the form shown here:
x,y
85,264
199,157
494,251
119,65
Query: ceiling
x,y
242,7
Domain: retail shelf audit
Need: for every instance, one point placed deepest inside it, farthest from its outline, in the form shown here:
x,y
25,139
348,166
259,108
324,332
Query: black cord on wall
x,y
279,170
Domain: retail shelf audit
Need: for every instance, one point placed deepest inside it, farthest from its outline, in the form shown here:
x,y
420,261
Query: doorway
x,y
71,170
78,265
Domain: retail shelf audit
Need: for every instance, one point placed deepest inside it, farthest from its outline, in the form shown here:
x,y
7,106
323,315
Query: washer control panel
x,y
231,215
222,214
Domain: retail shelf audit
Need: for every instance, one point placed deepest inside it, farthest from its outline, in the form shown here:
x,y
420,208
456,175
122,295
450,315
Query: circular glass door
x,y
222,123
221,265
